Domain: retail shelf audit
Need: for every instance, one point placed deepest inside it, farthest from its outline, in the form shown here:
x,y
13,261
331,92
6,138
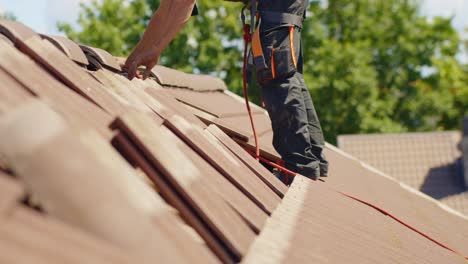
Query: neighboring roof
x,y
429,162
93,165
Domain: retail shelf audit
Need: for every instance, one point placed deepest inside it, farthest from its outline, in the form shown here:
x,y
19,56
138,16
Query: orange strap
x,y
257,44
291,42
273,68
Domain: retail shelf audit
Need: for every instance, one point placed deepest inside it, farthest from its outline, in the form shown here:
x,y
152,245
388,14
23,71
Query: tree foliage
x,y
371,66
8,16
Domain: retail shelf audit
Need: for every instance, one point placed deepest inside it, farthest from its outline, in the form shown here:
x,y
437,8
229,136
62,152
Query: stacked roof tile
x,y
429,162
96,168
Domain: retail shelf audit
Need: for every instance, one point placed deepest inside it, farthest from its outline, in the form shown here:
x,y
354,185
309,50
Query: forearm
x,y
166,22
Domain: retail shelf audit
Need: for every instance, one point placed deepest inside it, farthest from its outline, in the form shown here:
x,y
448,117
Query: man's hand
x,y
166,22
148,58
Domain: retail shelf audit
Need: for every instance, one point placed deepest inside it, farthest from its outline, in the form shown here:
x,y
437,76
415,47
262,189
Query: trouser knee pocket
x,y
280,54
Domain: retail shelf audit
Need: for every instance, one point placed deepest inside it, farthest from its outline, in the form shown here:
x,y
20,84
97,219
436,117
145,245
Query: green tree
x,y
371,66
379,66
8,16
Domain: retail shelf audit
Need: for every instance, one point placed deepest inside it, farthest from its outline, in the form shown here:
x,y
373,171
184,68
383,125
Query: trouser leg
x,y
286,105
317,142
298,136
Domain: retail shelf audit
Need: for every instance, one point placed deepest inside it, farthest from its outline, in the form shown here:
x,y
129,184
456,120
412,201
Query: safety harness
x,y
252,35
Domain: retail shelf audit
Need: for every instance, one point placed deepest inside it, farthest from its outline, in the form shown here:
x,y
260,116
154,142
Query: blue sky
x,y
42,15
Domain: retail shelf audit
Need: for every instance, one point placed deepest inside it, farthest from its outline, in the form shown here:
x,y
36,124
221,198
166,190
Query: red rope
x,y
280,167
247,40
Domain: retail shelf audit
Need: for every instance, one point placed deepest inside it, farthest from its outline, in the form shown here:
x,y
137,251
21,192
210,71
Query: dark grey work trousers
x,y
297,134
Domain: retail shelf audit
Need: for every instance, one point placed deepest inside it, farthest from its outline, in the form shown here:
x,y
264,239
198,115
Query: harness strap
x,y
280,18
253,14
257,51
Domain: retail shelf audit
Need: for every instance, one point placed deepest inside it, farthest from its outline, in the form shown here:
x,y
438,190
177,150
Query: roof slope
x,y
429,162
104,165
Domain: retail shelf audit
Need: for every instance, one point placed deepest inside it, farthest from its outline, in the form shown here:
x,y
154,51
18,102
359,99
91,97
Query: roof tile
x,y
70,48
188,181
102,56
317,224
16,31
10,193
174,78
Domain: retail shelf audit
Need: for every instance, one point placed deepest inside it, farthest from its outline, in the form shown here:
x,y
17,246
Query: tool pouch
x,y
279,51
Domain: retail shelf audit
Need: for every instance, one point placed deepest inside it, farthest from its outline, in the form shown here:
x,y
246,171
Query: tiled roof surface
x,y
95,168
315,224
429,162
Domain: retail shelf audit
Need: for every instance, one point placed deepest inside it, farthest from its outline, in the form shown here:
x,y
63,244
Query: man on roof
x,y
298,136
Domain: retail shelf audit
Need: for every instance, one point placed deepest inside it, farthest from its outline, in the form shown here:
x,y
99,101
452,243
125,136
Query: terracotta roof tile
x,y
95,164
28,237
102,56
75,108
188,181
172,197
12,93
166,100
239,175
265,142
72,75
265,175
16,31
316,224
215,103
3,38
174,78
70,48
10,193
358,179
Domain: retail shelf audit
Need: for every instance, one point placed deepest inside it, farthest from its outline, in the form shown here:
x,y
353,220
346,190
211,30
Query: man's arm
x,y
166,22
